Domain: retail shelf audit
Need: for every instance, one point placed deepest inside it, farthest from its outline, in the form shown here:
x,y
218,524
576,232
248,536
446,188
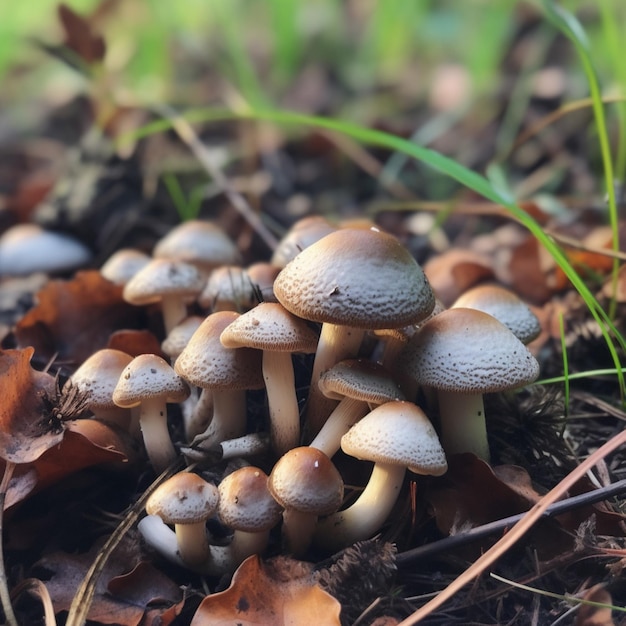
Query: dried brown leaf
x,y
595,615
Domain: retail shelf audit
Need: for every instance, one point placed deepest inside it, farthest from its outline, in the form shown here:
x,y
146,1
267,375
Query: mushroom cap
x,y
149,376
205,362
359,379
28,248
245,501
123,264
263,276
185,498
301,235
354,277
228,286
198,242
162,277
505,306
269,326
180,335
305,479
468,351
397,433
98,375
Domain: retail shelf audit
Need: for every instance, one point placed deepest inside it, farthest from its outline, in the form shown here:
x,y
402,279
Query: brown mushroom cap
x,y
185,498
245,501
397,433
149,376
301,235
306,480
360,278
269,326
468,351
206,363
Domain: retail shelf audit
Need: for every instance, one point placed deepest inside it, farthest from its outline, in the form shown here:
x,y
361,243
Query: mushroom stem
x,y
462,420
193,545
159,536
363,518
346,413
156,437
174,310
245,544
229,418
298,529
282,400
335,344
198,414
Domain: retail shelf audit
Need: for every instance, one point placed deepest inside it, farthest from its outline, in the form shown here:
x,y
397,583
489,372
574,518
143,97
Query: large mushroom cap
x,y
306,480
397,433
245,501
185,498
354,277
149,376
269,326
468,351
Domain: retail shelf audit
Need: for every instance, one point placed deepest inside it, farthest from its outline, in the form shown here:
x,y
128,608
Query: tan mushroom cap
x,y
505,306
397,433
305,479
206,363
149,376
98,375
185,498
360,379
123,264
353,277
229,288
301,235
245,501
468,351
180,335
198,242
269,326
163,277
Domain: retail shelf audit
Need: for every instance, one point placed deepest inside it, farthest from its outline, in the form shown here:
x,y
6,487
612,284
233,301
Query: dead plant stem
x,y
5,596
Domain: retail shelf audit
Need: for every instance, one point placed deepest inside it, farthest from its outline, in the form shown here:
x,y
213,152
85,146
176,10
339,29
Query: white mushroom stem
x,y
174,310
282,400
229,418
197,413
245,544
346,413
156,437
336,343
366,516
298,529
159,536
462,420
193,544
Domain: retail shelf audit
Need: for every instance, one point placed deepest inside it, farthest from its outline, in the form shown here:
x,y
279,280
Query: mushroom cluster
x,y
357,300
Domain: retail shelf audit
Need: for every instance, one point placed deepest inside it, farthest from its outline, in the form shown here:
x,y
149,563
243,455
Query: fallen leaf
x,y
528,278
80,37
595,615
136,342
280,593
74,318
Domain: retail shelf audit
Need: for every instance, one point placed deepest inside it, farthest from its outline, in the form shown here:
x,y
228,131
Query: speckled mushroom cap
x,y
355,277
205,362
98,376
180,335
468,351
359,379
160,277
397,433
505,306
185,498
269,326
245,501
301,235
230,285
306,480
198,242
149,376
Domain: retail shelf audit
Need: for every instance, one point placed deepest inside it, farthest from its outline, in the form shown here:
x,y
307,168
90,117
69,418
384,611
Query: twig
x,y
36,587
5,596
480,532
187,134
516,533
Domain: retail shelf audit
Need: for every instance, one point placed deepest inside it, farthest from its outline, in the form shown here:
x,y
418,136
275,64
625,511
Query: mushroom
x,y
306,484
149,382
301,235
351,280
123,264
395,436
166,281
271,328
206,363
505,306
187,501
247,506
357,383
464,353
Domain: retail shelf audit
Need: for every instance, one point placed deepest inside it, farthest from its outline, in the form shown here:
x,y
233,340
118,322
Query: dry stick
x,y
516,532
5,596
185,131
35,587
77,615
485,530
